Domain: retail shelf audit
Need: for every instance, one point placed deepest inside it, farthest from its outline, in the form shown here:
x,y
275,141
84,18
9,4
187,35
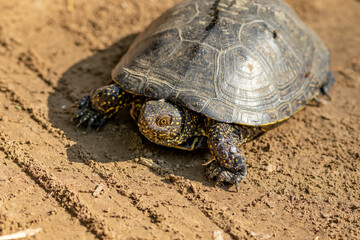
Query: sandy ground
x,y
303,178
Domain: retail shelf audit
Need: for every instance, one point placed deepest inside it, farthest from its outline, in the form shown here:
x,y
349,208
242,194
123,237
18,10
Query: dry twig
x,y
21,234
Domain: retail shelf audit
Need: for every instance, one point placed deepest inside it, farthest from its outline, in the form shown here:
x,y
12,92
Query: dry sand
x,y
303,177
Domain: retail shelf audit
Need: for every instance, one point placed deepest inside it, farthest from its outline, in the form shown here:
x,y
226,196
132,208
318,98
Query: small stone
x,y
98,190
270,168
173,178
217,235
260,235
325,215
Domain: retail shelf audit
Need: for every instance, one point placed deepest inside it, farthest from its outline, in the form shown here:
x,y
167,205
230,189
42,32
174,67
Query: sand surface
x,y
303,177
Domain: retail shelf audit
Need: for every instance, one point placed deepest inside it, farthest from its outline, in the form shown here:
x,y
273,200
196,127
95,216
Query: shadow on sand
x,y
119,140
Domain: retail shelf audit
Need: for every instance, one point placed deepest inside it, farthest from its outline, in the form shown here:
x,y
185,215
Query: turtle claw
x,y
224,175
325,89
86,114
83,119
326,93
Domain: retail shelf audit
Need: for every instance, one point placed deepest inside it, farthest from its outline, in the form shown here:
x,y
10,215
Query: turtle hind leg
x,y
100,105
228,163
325,88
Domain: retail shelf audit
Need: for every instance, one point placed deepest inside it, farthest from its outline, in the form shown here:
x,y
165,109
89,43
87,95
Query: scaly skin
x,y
228,163
171,125
101,104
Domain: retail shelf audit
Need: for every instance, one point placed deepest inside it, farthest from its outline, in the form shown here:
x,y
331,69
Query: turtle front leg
x,y
101,104
228,164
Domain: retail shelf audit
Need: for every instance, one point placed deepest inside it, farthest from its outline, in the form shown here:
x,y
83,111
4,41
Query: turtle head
x,y
161,122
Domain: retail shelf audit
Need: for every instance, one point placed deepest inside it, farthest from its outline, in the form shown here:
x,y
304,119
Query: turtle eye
x,y
163,120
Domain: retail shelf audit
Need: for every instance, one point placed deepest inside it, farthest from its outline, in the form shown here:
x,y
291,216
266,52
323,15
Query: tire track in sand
x,y
213,213
182,188
207,208
113,218
132,195
67,198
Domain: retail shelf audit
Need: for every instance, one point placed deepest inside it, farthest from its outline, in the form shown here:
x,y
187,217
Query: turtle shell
x,y
251,62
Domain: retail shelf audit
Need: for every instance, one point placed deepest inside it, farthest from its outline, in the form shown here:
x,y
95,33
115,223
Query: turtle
x,y
215,74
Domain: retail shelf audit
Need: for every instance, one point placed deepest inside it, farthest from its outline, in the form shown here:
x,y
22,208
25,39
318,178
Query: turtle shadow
x,y
119,141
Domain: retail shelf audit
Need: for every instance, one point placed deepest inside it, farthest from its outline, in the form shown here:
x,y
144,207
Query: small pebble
x,y
260,236
270,168
217,235
98,189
